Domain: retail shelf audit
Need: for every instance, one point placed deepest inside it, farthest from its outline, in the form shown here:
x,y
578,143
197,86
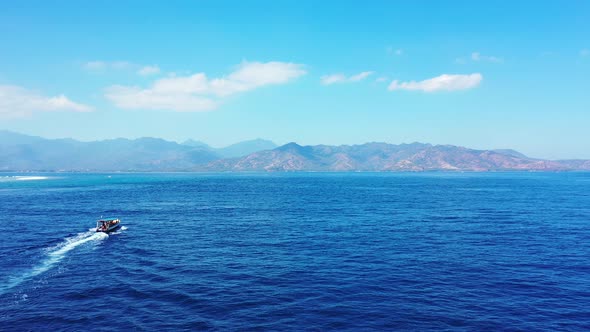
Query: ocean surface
x,y
305,251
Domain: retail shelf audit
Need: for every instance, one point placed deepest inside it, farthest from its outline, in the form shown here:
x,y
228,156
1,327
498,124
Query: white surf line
x,y
22,178
54,256
31,178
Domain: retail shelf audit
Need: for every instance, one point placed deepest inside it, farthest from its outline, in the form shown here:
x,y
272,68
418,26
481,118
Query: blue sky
x,y
501,74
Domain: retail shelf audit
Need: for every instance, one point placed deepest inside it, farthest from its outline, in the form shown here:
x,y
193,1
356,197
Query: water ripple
x,y
298,252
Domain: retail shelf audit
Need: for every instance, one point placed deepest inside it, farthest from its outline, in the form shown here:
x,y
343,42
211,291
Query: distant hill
x,y
389,157
23,152
30,153
197,144
245,148
510,152
235,150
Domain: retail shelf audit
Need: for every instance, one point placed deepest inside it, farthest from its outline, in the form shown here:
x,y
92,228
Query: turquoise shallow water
x,y
428,251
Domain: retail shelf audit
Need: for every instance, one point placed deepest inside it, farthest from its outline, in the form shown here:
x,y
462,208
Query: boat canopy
x,y
107,219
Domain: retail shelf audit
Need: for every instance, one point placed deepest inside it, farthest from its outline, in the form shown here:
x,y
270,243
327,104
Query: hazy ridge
x,y
20,152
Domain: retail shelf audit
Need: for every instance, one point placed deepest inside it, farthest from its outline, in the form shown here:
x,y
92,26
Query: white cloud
x,y
96,66
478,57
334,78
381,79
341,78
391,51
585,52
121,64
445,82
360,76
251,75
16,101
149,70
106,66
197,92
136,98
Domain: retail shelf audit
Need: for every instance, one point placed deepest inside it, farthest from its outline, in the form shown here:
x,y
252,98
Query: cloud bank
x,y
16,101
199,93
341,78
445,82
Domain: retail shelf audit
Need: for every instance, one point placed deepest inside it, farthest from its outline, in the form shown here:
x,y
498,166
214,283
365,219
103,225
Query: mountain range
x,y
20,152
378,157
31,153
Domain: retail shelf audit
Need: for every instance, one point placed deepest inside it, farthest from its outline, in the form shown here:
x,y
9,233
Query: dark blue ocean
x,y
305,251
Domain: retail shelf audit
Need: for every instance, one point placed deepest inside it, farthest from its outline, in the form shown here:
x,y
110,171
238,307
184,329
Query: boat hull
x,y
110,229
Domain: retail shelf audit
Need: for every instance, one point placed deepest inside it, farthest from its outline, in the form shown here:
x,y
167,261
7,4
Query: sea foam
x,y
53,256
22,178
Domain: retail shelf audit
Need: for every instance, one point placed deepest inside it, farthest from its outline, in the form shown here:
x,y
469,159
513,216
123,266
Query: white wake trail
x,y
54,255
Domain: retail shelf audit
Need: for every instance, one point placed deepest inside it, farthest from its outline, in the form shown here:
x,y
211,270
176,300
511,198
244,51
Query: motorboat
x,y
107,225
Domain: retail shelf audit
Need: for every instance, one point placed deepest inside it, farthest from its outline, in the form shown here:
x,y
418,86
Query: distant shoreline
x,y
286,172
